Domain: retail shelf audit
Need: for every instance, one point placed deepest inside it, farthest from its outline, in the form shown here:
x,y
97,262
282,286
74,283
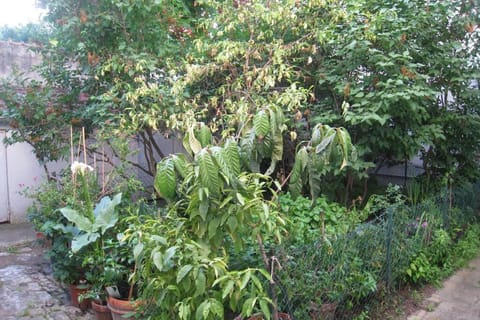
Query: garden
x,y
221,157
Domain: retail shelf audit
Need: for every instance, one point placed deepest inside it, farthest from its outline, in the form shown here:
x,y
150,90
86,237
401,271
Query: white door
x,y
4,208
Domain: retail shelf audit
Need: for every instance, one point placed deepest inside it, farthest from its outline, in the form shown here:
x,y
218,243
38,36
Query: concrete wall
x,y
19,164
17,56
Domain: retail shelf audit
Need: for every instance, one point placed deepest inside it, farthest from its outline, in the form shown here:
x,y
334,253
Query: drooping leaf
x,y
137,250
297,175
261,124
248,305
203,310
208,173
157,259
165,179
193,143
325,142
184,311
227,289
277,152
204,135
228,158
217,308
181,164
168,258
264,306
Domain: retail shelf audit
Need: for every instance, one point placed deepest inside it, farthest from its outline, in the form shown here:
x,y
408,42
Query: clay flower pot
x,y
119,308
102,312
75,292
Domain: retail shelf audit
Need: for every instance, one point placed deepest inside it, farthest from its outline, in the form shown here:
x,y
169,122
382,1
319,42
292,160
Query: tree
x,y
104,66
380,69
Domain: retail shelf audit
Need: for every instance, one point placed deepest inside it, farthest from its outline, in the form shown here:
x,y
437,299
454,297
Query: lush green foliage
x,y
185,254
321,220
261,93
398,77
414,244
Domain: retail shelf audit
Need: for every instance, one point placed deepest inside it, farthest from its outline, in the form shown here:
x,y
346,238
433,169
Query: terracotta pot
x,y
119,308
101,311
75,292
43,240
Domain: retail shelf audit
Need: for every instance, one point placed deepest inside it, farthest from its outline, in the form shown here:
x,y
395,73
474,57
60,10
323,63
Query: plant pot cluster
x,y
120,243
114,309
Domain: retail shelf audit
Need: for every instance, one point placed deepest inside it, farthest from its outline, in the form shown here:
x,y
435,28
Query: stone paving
x,y
458,299
28,290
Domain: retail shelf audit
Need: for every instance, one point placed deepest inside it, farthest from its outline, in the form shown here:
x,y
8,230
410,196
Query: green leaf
x,y
212,227
208,172
200,283
277,152
217,308
228,158
203,310
184,311
297,176
261,124
265,308
248,305
105,215
168,258
181,165
157,259
245,279
183,272
82,222
325,142
84,239
204,135
227,289
137,250
165,179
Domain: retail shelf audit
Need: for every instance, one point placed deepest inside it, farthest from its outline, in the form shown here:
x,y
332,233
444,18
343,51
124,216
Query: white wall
x,y
23,171
4,206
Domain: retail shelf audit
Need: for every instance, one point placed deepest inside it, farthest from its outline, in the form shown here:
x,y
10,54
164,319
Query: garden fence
x,y
337,278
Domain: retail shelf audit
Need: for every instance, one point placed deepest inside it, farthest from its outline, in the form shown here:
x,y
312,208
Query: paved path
x,y
458,299
27,288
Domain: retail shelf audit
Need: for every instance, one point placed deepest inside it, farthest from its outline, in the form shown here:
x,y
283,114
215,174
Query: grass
x,y
12,250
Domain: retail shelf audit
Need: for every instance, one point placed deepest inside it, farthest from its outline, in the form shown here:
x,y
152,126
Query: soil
x,y
402,303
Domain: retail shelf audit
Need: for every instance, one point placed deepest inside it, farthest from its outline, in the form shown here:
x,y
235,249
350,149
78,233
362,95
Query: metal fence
x,y
338,278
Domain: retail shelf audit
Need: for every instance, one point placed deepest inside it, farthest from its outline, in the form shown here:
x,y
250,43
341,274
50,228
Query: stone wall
x,y
18,56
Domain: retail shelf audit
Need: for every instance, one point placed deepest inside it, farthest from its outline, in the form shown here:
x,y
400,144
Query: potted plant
x,y
105,272
88,226
122,297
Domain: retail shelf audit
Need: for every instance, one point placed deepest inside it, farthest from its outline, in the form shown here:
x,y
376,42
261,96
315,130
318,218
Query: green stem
x,y
86,197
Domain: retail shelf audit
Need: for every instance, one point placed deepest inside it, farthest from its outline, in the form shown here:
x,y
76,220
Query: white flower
x,y
80,167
